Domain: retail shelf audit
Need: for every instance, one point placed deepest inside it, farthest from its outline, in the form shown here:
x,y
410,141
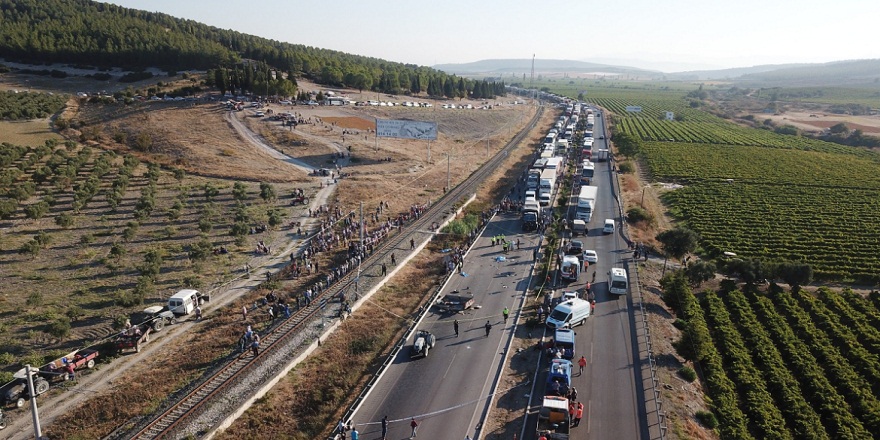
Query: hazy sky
x,y
667,35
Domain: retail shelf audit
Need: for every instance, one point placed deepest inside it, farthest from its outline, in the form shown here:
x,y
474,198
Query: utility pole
x,y
447,172
38,434
532,80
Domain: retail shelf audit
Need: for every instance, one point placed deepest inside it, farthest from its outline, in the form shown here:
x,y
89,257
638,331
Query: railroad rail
x,y
174,415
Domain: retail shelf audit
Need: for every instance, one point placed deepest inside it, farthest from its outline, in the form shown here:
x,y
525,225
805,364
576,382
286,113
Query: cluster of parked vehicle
x,y
136,332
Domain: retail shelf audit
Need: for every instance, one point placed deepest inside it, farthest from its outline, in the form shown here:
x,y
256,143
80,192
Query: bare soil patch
x,y
193,137
816,122
33,132
353,122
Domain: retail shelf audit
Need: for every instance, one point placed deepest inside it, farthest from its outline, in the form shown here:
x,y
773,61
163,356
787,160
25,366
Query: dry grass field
x,y
33,132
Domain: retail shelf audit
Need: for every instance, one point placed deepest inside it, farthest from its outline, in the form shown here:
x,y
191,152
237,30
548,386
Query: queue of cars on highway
x,y
559,411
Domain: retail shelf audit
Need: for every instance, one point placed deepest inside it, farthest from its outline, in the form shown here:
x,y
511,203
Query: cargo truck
x,y
554,420
602,155
548,181
586,203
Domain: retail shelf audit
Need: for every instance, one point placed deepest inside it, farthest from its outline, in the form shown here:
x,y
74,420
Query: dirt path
x,y
258,142
58,403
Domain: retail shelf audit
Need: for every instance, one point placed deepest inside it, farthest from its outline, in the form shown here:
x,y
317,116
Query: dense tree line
x,y
29,105
841,134
104,35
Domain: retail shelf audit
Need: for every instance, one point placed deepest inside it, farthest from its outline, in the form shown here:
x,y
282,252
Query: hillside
x,y
842,73
731,73
103,35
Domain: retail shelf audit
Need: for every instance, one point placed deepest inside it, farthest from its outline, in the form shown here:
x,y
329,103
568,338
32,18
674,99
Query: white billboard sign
x,y
633,108
395,128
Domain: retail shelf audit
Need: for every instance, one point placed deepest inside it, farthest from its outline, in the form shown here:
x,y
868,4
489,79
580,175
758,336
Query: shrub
x,y
59,327
31,247
687,373
276,217
625,167
211,191
143,142
152,265
35,299
205,225
64,220
117,250
679,324
74,312
200,250
239,191
267,191
708,419
7,208
127,299
638,214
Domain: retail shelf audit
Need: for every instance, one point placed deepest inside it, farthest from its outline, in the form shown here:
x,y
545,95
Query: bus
x,y
588,169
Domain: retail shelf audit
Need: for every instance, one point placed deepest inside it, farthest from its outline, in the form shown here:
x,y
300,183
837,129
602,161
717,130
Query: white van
x,y
571,268
569,314
618,283
609,226
183,302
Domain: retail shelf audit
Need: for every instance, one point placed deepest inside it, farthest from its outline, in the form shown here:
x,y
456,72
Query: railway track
x,y
174,416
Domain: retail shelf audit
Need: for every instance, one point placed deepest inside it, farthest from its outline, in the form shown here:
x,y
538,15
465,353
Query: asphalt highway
x,y
447,391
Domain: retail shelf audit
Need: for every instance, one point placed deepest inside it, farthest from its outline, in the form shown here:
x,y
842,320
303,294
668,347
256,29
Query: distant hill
x,y
838,73
518,66
731,73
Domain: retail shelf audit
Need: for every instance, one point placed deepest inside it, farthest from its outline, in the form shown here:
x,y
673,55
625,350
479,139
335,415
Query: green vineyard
x,y
785,365
754,192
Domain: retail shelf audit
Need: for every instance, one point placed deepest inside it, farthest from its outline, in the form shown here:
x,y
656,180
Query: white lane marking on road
x,y
589,415
450,366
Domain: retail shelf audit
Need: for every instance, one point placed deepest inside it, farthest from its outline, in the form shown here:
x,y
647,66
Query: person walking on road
x,y
384,427
505,313
340,428
414,425
354,434
455,327
582,363
488,328
578,414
